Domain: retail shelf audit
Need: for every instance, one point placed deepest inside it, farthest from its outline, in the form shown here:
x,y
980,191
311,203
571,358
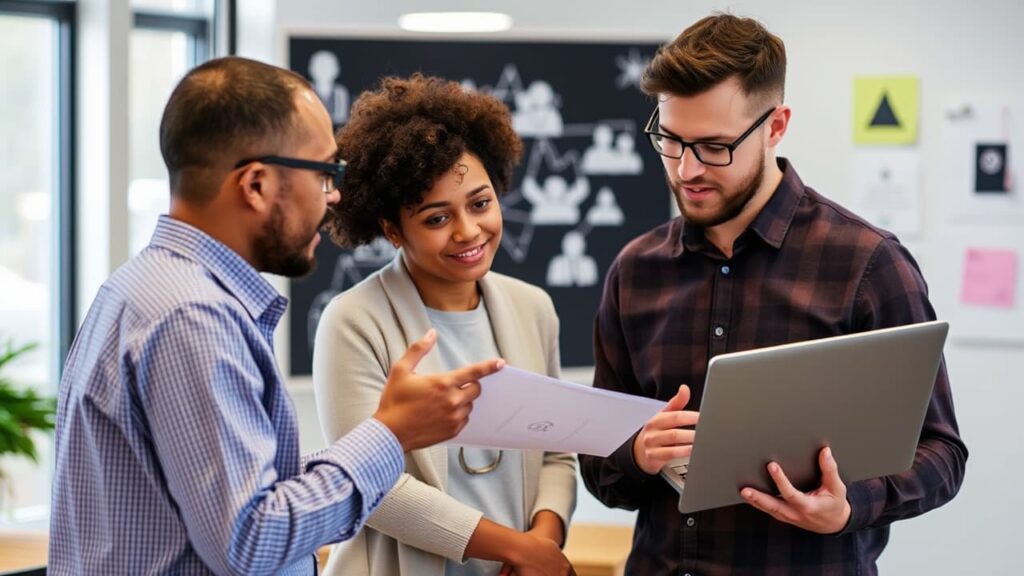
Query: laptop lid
x,y
864,394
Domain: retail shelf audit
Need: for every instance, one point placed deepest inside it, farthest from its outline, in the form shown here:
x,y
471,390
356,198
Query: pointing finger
x,y
474,371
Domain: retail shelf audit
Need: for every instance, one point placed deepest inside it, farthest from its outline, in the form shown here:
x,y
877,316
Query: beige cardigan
x,y
362,332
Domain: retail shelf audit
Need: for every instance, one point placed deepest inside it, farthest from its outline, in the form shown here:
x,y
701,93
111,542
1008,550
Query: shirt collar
x,y
238,277
771,224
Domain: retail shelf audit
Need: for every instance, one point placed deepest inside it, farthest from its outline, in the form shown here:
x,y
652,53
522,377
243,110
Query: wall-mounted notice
x,y
977,283
887,189
885,109
984,151
989,278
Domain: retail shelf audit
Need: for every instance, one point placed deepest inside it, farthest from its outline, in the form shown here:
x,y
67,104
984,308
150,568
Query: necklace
x,y
477,471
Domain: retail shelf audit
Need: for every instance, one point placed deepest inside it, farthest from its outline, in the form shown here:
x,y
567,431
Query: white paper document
x,y
887,189
520,409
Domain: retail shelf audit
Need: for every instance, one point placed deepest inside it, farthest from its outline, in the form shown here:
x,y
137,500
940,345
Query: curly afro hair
x,y
402,137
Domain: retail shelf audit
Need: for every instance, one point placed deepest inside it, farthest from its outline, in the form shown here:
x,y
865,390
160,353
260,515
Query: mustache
x,y
698,182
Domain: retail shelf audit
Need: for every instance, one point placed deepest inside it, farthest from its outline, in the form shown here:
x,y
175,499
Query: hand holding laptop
x,y
662,438
783,405
824,510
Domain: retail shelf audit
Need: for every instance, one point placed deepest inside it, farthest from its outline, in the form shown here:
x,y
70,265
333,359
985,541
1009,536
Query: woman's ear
x,y
390,232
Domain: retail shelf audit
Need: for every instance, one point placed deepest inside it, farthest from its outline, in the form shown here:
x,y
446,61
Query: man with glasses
x,y
756,259
177,446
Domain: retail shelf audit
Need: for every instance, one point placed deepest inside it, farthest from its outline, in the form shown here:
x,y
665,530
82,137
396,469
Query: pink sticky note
x,y
990,277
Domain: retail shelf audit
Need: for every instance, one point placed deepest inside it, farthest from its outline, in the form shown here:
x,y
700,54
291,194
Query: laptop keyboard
x,y
679,466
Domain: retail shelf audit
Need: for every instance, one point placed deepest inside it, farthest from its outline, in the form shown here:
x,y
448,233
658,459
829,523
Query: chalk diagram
x,y
556,190
325,70
556,183
349,269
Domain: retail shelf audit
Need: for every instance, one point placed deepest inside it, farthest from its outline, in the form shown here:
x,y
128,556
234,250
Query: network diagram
x,y
555,191
557,198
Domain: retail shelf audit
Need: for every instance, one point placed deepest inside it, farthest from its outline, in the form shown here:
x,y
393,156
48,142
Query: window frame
x,y
201,26
63,215
63,14
198,29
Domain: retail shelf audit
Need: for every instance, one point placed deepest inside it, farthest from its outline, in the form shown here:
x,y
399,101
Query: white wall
x,y
955,48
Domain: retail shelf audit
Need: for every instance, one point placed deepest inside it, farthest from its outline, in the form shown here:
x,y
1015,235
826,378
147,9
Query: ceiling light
x,y
455,22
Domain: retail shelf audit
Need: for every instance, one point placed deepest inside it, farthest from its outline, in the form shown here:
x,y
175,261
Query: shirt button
x,y
690,521
726,270
719,331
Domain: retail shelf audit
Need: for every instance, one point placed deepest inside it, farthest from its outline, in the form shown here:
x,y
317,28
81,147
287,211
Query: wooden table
x,y
22,551
593,549
599,549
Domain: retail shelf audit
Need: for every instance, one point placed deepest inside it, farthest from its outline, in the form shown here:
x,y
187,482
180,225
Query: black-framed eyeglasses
x,y
710,153
334,172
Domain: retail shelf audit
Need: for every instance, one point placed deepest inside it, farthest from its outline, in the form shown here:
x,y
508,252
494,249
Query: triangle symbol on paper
x,y
884,116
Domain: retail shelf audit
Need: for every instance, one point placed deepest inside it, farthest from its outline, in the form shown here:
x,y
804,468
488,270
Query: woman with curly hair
x,y
427,161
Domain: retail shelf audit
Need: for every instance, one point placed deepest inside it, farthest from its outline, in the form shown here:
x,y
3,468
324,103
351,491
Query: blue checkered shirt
x,y
177,447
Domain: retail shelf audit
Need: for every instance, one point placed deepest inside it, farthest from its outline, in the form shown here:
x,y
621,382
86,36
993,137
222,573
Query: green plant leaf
x,y
21,410
11,351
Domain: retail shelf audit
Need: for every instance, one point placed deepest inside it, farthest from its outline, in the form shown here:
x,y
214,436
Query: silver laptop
x,y
865,395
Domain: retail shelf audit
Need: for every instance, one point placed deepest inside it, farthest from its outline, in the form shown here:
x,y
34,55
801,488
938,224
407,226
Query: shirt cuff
x,y
623,457
867,500
371,457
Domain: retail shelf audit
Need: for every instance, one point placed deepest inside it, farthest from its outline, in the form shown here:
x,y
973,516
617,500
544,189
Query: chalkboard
x,y
589,181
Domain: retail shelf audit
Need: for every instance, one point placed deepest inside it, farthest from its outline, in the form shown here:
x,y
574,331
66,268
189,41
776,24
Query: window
x,y
36,218
169,38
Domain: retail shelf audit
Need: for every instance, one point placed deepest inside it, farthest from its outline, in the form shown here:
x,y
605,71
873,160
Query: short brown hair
x,y
715,49
222,111
402,137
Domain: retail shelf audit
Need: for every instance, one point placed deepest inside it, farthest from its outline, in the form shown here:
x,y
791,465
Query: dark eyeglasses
x,y
710,153
334,172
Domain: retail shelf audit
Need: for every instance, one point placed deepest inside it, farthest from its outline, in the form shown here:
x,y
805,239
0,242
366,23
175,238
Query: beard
x,y
732,204
279,256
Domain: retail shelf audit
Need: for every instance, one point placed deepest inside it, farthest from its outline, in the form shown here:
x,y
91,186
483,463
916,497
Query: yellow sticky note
x,y
885,109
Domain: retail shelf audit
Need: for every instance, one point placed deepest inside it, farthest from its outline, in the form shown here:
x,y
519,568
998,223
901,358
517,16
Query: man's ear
x,y
778,124
254,185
